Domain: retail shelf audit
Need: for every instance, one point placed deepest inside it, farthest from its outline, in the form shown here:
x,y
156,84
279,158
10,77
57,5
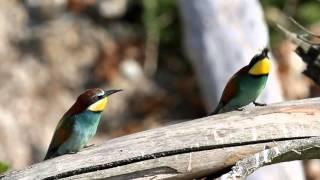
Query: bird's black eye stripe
x,y
100,97
95,99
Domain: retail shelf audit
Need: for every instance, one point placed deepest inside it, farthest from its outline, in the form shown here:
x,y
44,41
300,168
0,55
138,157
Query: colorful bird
x,y
79,124
245,86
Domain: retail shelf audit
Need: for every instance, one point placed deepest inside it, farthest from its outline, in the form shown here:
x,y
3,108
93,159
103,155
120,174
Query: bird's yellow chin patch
x,y
262,67
99,105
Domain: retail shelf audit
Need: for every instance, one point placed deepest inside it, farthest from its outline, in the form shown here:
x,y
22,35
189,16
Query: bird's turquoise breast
x,y
250,88
84,129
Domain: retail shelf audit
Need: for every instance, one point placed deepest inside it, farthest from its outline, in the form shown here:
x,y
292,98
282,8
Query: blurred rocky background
x,y
52,50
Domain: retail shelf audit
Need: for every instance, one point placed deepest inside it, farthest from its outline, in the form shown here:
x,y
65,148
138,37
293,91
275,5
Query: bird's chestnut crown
x,y
260,64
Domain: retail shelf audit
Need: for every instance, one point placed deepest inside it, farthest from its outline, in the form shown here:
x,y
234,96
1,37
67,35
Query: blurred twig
x,y
307,50
155,21
152,28
303,28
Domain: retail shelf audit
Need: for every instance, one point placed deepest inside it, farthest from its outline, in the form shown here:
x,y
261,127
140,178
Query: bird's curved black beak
x,y
109,92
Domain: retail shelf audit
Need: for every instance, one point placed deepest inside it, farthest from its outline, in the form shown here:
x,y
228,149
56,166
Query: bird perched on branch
x,y
245,86
79,124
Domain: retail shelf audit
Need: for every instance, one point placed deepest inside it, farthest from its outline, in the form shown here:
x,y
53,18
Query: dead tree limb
x,y
187,150
283,152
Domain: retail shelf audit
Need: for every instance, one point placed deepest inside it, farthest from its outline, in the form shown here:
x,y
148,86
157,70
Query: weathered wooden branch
x,y
187,150
284,151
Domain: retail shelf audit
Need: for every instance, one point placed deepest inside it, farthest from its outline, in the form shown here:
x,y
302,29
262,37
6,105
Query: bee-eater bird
x,y
245,86
79,124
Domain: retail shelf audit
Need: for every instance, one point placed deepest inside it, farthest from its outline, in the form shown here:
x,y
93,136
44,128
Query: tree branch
x,y
187,150
284,151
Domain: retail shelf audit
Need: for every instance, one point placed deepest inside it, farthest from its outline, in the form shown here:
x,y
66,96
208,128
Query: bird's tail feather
x,y
50,154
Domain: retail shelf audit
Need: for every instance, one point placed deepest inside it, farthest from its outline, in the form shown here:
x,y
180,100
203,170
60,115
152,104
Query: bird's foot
x,y
86,146
240,109
259,104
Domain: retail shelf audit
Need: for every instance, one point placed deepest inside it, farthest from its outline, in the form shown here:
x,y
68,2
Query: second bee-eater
x,y
79,124
246,85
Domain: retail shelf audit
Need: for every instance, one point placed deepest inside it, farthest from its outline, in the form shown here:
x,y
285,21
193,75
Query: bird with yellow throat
x,y
246,85
79,124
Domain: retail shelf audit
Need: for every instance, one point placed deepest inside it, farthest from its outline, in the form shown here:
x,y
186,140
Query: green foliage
x,y
309,12
160,17
273,3
306,12
3,167
150,16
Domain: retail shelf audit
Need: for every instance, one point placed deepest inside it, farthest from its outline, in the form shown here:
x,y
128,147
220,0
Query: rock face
x,y
48,57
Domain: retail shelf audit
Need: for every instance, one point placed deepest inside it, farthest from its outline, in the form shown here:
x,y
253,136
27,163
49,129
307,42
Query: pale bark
x,y
283,152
